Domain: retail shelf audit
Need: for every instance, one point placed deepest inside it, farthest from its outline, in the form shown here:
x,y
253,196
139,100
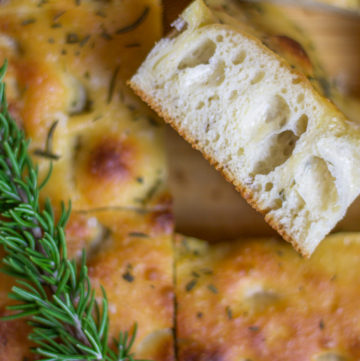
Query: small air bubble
x,y
239,58
278,203
214,97
258,77
219,38
300,98
233,95
302,124
200,105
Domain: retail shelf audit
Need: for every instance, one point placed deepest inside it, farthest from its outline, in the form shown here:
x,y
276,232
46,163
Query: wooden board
x,y
205,204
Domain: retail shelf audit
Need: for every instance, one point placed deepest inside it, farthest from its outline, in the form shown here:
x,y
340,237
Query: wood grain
x,y
205,204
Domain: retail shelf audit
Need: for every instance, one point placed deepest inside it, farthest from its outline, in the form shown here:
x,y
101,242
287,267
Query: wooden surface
x,y
205,204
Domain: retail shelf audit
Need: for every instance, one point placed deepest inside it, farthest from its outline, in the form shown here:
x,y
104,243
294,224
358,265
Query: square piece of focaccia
x,y
135,266
258,300
65,82
131,255
258,117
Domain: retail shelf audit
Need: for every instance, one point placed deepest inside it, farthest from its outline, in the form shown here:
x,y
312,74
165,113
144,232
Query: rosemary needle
x,y
53,292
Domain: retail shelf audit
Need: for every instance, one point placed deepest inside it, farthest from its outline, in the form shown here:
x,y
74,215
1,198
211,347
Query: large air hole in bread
x,y
280,147
317,185
200,55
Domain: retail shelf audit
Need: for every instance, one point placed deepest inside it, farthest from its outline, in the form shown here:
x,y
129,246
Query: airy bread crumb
x,y
290,152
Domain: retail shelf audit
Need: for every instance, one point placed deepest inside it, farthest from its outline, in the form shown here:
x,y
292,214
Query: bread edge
x,y
244,191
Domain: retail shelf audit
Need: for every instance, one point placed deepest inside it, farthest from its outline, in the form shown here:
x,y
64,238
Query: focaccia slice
x,y
256,299
131,255
257,117
67,66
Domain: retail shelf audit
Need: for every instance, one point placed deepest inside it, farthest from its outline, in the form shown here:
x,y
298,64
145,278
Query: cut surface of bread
x,y
290,152
258,300
67,66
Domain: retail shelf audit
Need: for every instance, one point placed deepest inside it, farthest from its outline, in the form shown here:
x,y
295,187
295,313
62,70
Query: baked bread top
x,y
257,117
256,299
67,66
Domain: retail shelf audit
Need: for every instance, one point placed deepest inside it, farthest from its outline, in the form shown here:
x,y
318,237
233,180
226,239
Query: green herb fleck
x,y
228,312
112,84
84,40
132,45
104,33
136,23
72,38
195,274
138,234
212,289
127,276
254,328
28,21
48,151
190,285
58,16
150,193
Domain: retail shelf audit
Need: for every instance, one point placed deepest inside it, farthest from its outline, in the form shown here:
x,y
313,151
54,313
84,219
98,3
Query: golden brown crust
x,y
130,254
134,265
67,64
242,189
258,300
14,345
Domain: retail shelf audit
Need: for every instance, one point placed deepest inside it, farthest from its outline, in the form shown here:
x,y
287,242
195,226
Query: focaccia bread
x,y
135,266
256,299
131,256
67,66
257,117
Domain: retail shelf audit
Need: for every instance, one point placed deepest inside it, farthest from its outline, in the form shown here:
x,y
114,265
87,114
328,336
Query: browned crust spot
x,y
242,189
287,44
111,159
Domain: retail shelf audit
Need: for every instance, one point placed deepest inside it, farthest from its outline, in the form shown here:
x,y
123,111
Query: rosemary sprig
x,y
53,292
